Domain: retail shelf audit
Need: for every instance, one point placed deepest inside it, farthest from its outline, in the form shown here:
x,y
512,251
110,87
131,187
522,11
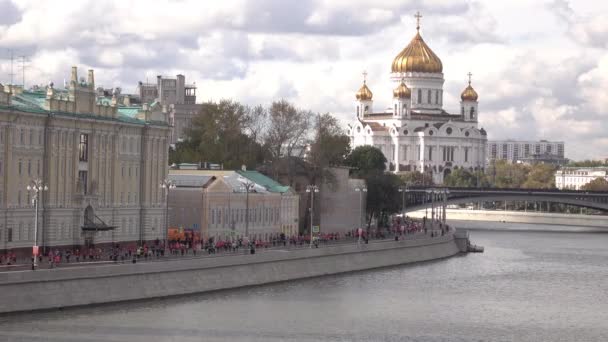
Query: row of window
x,y
226,217
429,96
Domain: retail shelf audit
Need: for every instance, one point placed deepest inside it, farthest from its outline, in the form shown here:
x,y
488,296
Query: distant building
x,y
216,202
176,97
415,132
101,159
531,151
574,178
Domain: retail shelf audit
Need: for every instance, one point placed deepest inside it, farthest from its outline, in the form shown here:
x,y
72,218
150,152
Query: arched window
x,y
366,109
472,113
429,97
404,108
462,111
357,111
419,95
395,113
437,97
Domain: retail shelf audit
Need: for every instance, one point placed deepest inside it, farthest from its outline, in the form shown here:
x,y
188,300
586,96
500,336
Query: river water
x,y
529,285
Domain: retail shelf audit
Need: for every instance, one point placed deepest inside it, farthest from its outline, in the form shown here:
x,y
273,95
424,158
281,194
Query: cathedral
x,y
415,133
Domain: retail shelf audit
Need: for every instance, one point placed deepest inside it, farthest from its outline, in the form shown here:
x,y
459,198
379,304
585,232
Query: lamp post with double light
x,y
312,189
361,190
36,188
247,187
166,185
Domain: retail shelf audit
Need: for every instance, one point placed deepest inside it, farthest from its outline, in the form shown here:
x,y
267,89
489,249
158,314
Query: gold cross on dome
x,y
364,76
418,16
469,74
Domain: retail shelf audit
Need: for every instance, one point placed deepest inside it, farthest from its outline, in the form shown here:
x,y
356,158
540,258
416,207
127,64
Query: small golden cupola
x,y
417,56
402,91
469,94
364,94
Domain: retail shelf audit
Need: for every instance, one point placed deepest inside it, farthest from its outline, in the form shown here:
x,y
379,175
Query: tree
x,y
541,176
220,133
588,163
598,184
329,147
466,179
366,160
416,178
504,174
383,198
461,178
288,128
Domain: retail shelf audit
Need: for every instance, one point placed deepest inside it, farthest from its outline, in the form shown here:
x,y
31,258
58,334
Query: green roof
x,y
34,102
267,182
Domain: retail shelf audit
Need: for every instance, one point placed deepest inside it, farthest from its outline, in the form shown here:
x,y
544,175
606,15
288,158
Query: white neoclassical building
x,y
415,133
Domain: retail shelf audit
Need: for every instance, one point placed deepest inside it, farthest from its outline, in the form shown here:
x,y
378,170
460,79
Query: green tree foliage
x,y
541,176
461,178
416,178
598,184
383,198
503,174
221,133
588,163
329,147
366,160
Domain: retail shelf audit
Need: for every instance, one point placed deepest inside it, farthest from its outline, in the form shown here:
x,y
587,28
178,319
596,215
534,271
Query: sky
x,y
540,67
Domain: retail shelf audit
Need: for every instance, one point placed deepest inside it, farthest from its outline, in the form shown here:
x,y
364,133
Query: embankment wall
x,y
57,288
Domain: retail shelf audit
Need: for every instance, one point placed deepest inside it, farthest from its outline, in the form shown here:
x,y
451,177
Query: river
x,y
529,285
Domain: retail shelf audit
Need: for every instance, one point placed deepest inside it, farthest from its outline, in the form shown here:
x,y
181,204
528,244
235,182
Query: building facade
x,y
574,178
530,151
415,133
216,202
102,162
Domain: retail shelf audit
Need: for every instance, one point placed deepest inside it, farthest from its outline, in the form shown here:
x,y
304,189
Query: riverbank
x,y
58,288
521,217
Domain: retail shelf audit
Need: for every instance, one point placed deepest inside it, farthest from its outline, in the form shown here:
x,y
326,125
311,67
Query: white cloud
x,y
540,68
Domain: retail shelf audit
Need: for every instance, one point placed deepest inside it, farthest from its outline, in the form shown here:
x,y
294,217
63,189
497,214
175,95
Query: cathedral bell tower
x,y
402,96
468,103
364,99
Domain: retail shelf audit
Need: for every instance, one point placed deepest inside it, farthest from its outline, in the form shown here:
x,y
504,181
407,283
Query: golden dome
x,y
468,94
417,57
364,94
402,91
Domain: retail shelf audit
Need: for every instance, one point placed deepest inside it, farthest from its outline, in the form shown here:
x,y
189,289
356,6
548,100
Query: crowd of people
x,y
399,228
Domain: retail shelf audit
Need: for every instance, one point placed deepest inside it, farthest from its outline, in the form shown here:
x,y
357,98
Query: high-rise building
x,y
102,161
527,151
176,97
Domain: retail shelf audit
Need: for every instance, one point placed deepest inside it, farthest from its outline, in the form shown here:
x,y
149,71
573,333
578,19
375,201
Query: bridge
x,y
416,198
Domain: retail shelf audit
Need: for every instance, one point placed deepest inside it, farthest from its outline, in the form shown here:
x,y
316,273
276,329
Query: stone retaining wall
x,y
48,289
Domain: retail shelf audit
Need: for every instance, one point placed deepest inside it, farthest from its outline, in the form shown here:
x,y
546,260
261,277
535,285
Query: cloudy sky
x,y
540,67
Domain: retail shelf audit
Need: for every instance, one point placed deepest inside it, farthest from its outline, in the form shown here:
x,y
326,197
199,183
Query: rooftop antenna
x,y
11,74
24,60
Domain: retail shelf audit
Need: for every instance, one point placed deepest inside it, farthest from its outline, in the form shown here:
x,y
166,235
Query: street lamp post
x,y
166,185
361,190
247,186
36,187
312,189
403,189
445,204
